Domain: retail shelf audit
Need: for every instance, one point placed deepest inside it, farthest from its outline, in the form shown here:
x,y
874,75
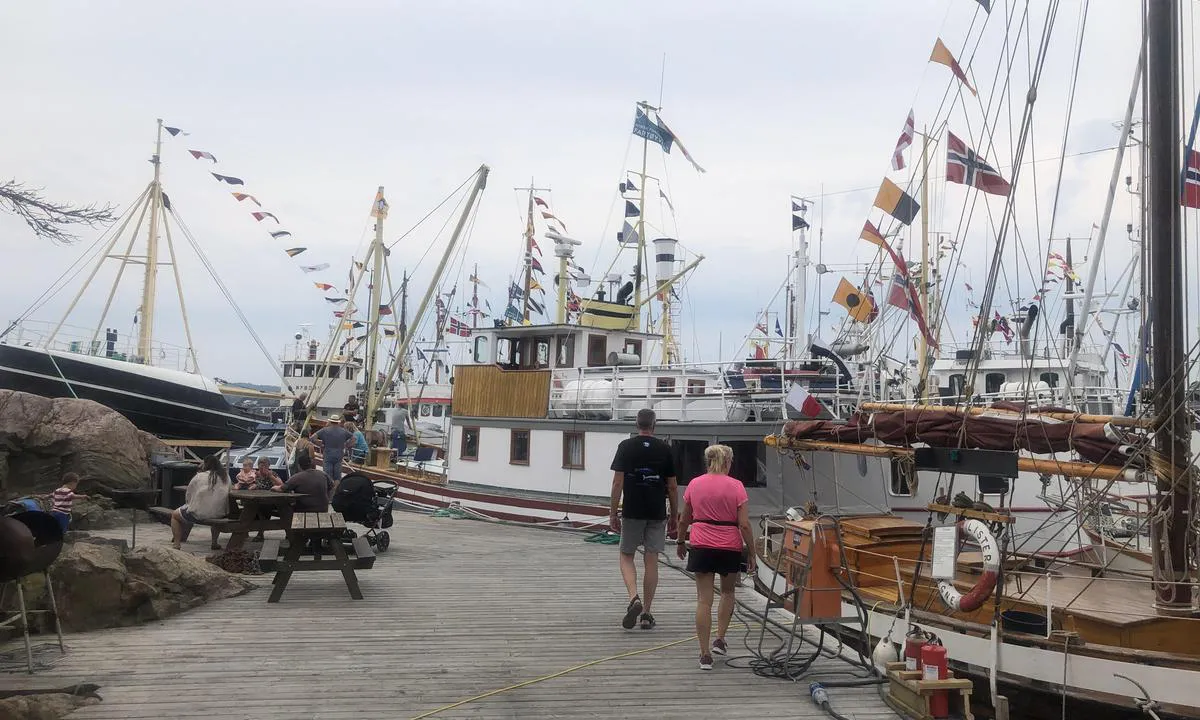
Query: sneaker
x,y
706,662
648,621
719,647
631,613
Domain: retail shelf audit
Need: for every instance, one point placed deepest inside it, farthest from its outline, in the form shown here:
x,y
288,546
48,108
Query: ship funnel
x,y
664,256
1026,327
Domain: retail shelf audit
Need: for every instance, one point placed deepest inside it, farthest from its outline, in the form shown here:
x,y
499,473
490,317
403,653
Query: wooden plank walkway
x,y
454,609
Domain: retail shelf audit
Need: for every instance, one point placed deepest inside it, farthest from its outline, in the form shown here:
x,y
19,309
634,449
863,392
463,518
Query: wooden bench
x,y
268,556
216,525
309,529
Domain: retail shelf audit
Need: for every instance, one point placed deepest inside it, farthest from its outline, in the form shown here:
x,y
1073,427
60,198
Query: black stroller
x,y
369,503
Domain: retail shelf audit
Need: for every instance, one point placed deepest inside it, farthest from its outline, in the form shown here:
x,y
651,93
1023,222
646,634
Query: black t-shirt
x,y
646,462
314,487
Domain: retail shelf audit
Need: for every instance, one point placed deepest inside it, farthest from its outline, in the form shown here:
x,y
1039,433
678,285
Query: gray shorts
x,y
650,534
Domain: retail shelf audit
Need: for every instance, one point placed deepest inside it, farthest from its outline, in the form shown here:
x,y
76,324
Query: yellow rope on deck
x,y
551,676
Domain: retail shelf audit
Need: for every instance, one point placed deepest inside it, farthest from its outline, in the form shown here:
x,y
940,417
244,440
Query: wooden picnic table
x,y
255,517
321,528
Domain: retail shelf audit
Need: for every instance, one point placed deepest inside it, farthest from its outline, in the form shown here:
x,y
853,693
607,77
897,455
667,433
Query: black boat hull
x,y
165,403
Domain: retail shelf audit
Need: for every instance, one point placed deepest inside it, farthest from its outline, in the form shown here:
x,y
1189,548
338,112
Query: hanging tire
x,y
983,588
383,540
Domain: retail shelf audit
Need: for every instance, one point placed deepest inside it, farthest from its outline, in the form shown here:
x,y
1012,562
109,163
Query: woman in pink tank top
x,y
716,524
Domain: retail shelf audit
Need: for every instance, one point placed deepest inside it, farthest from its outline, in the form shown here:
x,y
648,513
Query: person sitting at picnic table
x,y
207,498
334,440
314,487
245,479
265,478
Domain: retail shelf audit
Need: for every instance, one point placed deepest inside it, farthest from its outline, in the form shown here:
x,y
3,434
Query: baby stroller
x,y
369,503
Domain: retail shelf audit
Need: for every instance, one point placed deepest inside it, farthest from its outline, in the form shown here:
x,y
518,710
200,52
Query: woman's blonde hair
x,y
718,458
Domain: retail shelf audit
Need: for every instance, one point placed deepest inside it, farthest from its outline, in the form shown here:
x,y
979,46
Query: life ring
x,y
974,599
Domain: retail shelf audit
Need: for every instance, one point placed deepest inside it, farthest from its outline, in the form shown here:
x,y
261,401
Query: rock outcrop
x,y
101,585
42,438
42,706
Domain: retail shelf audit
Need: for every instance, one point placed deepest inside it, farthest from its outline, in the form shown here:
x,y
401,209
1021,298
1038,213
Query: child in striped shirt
x,y
63,498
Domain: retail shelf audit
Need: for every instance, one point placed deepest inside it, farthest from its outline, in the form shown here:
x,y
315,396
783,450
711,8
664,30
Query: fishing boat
x,y
1112,629
159,387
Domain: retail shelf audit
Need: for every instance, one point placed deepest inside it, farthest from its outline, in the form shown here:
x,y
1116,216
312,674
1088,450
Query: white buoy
x,y
885,652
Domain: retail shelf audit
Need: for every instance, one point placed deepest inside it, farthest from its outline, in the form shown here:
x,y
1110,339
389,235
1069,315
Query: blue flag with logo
x,y
644,127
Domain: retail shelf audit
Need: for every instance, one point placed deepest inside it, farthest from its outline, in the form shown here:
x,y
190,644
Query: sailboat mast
x,y
1169,527
923,275
379,212
528,252
640,265
150,283
475,297
404,308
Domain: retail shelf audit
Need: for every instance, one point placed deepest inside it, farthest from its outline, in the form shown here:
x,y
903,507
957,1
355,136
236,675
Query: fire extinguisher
x,y
913,642
935,666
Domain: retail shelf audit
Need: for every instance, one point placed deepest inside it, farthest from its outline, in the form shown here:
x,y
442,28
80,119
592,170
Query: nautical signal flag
x,y
174,131
228,179
965,167
200,154
324,286
535,265
631,210
906,138
942,55
281,233
872,235
986,5
379,208
547,215
805,404
895,202
858,303
314,268
458,327
537,200
778,329
240,196
293,252
385,310
475,279
260,216
1191,180
799,223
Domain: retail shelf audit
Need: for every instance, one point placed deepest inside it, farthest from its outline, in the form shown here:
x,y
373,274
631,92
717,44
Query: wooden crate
x,y
910,694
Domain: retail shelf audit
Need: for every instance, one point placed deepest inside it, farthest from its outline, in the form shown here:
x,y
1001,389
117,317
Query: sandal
x,y
648,621
631,613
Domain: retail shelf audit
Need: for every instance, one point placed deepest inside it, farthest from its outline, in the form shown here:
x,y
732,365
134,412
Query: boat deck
x,y
453,610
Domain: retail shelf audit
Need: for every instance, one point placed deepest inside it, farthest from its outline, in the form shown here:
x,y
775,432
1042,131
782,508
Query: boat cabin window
x,y
597,350
993,382
664,385
310,370
1050,378
505,351
566,351
481,349
903,479
633,347
543,352
297,371
958,383
518,447
572,451
335,371
470,444
437,410
695,386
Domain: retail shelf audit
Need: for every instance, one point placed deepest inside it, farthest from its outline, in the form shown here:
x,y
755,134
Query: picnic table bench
x,y
308,535
249,512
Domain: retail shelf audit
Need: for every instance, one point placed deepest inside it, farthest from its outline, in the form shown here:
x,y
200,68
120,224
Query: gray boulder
x,y
103,585
43,438
42,706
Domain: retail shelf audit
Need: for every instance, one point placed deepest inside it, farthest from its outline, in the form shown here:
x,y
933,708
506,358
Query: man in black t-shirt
x,y
644,475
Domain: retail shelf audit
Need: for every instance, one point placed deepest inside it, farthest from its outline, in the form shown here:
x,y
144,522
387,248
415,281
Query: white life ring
x,y
974,599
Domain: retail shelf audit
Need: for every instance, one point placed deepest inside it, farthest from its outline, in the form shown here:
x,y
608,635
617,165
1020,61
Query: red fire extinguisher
x,y
935,666
913,642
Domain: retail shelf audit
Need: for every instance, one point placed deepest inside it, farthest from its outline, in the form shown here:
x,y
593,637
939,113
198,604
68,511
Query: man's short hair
x,y
304,460
645,419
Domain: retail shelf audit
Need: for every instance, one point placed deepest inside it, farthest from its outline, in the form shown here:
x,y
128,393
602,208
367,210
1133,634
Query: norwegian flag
x,y
1191,180
965,167
906,138
458,327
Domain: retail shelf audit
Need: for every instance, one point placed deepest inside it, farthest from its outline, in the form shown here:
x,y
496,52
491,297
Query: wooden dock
x,y
453,610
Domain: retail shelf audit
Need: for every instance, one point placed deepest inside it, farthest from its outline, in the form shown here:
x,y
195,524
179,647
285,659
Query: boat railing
x,y
1093,400
104,343
999,350
713,391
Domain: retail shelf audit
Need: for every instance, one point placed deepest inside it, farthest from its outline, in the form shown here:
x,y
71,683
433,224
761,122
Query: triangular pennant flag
x,y
476,280
540,202
243,196
201,155
260,216
628,235
799,223
797,207
630,186
389,332
166,201
666,199
942,55
379,208
535,265
228,179
336,301
533,285
314,268
281,233
546,214
778,329
324,286
385,310
174,131
631,210
895,202
293,252
533,244
986,5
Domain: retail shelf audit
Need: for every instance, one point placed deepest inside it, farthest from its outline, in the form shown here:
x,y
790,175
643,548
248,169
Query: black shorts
x,y
713,560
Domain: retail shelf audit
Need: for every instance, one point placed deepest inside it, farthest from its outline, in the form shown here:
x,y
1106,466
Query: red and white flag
x,y
965,167
1191,180
906,138
807,405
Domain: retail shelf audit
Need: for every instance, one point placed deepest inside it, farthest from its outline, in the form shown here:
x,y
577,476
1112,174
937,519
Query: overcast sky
x,y
315,104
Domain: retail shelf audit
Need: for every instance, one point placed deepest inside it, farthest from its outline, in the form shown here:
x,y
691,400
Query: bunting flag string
x,y
240,196
540,202
902,294
547,215
906,139
261,215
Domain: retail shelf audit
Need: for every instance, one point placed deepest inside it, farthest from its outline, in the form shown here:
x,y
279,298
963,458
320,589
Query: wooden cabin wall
x,y
490,391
